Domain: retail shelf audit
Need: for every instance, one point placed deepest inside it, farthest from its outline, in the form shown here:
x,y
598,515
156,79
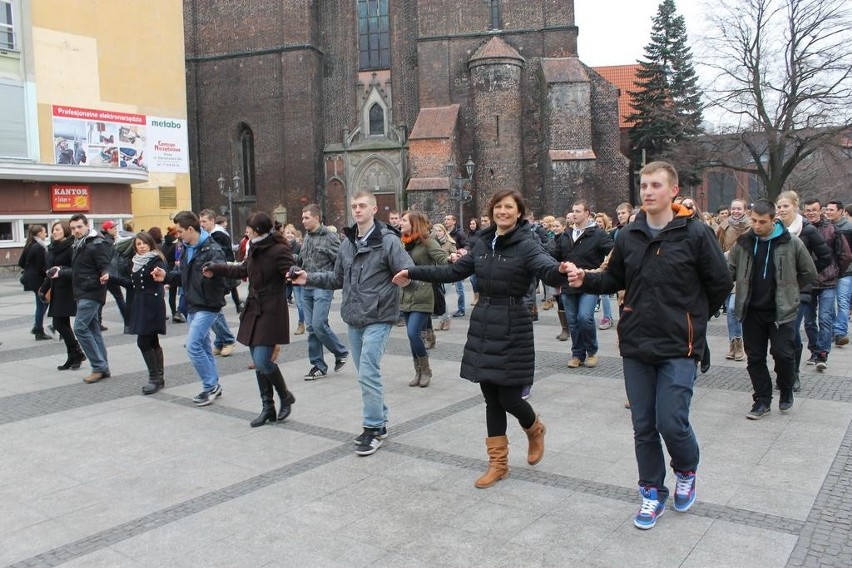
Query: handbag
x,y
440,302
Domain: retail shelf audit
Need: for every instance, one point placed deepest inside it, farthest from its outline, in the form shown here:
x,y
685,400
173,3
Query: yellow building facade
x,y
93,116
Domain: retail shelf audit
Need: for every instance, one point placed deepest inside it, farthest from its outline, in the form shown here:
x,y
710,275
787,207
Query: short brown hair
x,y
661,166
504,193
313,210
371,197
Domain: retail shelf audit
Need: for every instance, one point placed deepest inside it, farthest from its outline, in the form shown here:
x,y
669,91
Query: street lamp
x,y
229,192
457,190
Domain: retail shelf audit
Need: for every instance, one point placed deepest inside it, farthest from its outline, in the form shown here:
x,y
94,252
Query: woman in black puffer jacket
x,y
33,262
62,304
500,353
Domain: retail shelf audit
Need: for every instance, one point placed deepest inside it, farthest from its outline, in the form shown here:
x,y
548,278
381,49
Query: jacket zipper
x,y
689,328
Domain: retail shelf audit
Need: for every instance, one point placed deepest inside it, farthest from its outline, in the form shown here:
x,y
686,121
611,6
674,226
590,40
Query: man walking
x,y
224,341
665,253
89,275
586,246
834,212
459,236
318,254
732,228
770,267
202,299
109,232
368,258
820,312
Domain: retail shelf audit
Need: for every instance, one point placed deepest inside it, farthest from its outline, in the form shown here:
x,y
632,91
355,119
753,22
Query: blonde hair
x,y
446,232
660,166
790,196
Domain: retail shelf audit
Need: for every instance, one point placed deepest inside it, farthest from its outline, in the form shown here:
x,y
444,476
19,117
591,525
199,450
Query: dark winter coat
x,y
146,300
89,261
62,304
33,262
587,252
199,293
223,239
840,256
819,249
500,347
460,237
265,319
672,283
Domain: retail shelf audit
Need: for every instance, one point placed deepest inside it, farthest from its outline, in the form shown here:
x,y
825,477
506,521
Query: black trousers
x,y
63,328
759,331
148,342
500,400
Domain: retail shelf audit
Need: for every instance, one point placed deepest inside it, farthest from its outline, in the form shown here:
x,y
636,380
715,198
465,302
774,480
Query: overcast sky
x,y
615,32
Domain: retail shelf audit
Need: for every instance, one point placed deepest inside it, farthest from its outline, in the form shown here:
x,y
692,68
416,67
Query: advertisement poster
x,y
90,137
69,198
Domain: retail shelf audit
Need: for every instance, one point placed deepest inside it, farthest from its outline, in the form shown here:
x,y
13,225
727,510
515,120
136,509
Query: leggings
x,y
148,342
500,400
63,328
173,299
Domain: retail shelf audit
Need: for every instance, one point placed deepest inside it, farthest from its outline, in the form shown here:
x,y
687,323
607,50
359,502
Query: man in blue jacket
x,y
202,299
674,276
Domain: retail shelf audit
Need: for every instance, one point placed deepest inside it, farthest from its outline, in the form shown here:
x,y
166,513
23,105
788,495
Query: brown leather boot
x,y
563,319
535,435
415,382
498,461
425,371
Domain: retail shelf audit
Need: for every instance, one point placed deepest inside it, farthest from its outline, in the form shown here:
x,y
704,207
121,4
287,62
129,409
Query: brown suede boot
x,y
535,435
415,382
498,461
425,371
430,338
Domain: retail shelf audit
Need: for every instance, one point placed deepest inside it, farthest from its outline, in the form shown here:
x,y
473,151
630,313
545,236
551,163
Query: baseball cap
x,y
108,225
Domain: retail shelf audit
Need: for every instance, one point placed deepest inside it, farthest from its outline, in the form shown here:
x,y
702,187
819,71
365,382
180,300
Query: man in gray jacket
x,y
369,256
318,254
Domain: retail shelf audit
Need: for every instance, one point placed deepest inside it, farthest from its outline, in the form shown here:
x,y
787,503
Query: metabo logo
x,y
165,123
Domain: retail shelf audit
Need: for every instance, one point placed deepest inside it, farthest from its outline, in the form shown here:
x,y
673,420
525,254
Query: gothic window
x,y
247,160
7,28
495,22
373,36
377,120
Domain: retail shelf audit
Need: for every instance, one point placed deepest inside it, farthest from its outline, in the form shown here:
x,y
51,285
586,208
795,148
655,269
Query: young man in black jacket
x,y
674,276
458,235
224,341
202,299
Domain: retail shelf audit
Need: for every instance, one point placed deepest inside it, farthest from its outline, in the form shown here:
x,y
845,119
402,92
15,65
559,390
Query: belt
x,y
501,300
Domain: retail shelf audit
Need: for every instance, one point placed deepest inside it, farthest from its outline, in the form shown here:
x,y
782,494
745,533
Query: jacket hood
x,y
379,230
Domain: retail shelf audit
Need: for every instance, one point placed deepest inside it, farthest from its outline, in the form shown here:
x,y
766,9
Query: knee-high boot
x,y
161,368
153,385
267,412
287,398
498,461
563,320
424,371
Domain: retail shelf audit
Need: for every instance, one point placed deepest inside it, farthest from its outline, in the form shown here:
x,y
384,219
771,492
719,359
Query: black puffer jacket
x,y
62,304
33,262
89,260
672,283
199,293
500,347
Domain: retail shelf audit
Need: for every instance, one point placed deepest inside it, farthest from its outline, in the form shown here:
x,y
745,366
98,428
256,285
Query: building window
x,y
373,36
7,30
6,231
247,160
495,22
377,120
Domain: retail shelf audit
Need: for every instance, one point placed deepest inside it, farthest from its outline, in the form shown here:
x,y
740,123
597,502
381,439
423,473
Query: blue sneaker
x,y
651,508
684,491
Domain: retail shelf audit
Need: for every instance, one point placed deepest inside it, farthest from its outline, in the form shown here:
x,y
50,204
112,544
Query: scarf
x,y
795,227
732,222
259,238
41,241
140,260
78,243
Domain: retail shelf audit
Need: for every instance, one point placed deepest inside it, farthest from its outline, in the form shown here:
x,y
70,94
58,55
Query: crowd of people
x,y
770,266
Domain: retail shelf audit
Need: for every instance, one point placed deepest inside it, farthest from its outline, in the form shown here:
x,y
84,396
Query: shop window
x,y
373,34
7,27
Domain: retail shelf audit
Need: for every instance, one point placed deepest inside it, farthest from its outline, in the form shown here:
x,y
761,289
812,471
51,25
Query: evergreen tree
x,y
667,103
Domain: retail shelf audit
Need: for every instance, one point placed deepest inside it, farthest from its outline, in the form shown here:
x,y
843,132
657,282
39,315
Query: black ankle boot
x,y
68,363
40,335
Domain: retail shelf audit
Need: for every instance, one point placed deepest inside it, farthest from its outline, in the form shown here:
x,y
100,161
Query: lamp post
x,y
230,191
457,190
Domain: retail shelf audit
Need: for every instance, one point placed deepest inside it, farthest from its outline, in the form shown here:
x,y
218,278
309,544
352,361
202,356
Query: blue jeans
x,y
819,320
606,307
460,293
198,347
735,326
298,295
262,357
222,331
844,298
580,311
415,322
88,331
41,309
367,345
317,303
660,395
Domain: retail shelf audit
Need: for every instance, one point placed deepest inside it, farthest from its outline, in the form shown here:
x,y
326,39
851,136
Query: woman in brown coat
x,y
264,321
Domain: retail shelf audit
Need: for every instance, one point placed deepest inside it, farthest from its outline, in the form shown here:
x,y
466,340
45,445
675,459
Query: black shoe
x,y
178,318
206,397
758,411
151,388
266,415
103,327
40,335
339,363
371,441
459,314
286,406
821,362
786,400
381,434
315,373
797,384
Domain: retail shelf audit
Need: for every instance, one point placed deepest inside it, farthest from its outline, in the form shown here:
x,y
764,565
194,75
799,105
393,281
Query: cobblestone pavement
x,y
99,475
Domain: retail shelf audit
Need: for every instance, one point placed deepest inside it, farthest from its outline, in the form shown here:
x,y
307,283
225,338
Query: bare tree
x,y
783,72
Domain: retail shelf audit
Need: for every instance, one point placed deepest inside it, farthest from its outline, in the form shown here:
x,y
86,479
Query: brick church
x,y
312,101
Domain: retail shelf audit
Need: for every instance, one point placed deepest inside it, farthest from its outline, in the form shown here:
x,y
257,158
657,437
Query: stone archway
x,y
335,204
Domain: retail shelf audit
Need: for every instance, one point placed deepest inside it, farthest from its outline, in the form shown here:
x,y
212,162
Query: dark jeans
x,y
500,400
173,292
660,395
40,310
759,329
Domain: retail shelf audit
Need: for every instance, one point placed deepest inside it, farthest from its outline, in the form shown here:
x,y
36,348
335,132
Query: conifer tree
x,y
667,102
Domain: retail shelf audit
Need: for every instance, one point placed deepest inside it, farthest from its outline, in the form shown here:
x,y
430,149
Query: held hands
x,y
205,270
401,279
53,272
104,278
575,275
158,274
297,276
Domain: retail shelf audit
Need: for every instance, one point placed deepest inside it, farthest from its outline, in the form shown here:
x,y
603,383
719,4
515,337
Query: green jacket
x,y
419,297
794,269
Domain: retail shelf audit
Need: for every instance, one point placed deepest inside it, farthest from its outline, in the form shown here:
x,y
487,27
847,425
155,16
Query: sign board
x,y
69,198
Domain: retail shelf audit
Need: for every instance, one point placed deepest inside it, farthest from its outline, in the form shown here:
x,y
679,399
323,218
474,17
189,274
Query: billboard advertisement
x,y
91,137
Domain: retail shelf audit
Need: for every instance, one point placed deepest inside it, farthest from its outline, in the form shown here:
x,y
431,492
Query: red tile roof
x,y
496,48
435,122
624,79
